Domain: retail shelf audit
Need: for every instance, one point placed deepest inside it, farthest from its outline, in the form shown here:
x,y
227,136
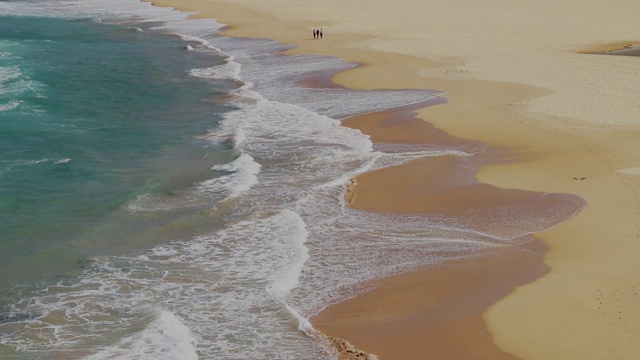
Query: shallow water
x,y
186,201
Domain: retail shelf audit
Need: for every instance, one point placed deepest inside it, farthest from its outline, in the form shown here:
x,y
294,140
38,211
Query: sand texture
x,y
520,77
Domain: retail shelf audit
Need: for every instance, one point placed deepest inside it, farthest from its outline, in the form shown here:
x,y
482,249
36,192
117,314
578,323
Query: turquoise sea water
x,y
93,116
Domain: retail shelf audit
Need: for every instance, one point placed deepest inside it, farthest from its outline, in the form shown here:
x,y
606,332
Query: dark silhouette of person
x,y
320,33
315,33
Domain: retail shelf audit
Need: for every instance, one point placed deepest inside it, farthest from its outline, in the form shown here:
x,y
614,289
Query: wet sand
x,y
625,51
625,48
556,119
435,313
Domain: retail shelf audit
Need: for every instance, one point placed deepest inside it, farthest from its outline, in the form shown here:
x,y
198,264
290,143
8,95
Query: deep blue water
x,y
93,116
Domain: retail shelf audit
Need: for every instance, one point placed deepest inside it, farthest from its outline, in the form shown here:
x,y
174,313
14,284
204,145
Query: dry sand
x,y
518,77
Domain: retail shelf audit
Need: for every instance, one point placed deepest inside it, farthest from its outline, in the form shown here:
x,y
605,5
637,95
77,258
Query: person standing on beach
x,y
320,33
315,33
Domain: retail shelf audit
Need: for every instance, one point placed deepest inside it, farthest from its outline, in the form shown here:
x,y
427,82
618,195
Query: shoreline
x,y
549,134
435,312
629,48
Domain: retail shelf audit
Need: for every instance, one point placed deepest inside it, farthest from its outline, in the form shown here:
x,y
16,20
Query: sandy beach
x,y
522,78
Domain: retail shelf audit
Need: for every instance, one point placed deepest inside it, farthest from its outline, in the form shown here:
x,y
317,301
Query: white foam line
x,y
288,277
243,174
229,70
166,338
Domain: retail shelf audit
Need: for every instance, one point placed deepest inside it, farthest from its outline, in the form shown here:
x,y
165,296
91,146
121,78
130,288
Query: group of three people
x,y
317,33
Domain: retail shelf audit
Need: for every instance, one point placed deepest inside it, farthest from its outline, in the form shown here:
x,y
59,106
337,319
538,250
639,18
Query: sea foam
x,y
164,338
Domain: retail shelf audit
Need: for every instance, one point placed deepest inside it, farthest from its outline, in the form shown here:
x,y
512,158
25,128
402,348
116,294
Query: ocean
x,y
170,193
